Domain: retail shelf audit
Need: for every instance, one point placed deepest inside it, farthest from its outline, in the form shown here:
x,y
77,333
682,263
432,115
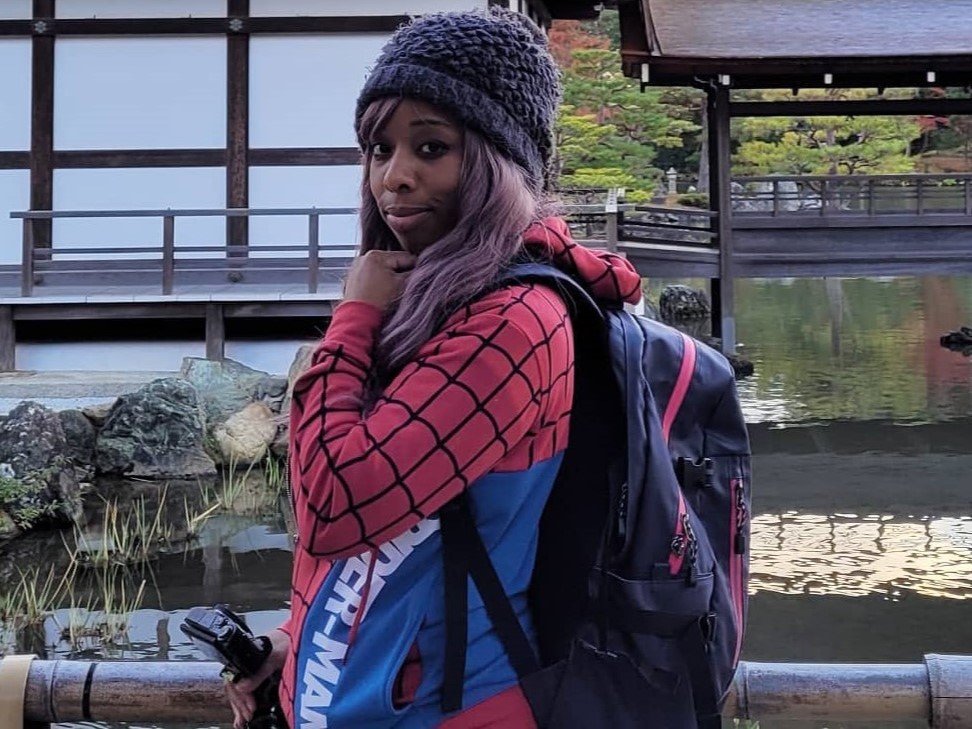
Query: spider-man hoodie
x,y
484,406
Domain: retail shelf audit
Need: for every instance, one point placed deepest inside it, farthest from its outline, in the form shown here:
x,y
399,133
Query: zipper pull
x,y
740,543
621,528
692,550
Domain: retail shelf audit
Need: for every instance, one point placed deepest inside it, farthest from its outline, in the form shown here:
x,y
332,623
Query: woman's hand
x,y
377,277
240,694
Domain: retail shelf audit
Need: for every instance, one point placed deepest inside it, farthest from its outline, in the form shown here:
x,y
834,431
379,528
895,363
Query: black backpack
x,y
639,589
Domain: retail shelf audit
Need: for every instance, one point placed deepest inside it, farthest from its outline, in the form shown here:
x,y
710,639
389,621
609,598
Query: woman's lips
x,y
403,221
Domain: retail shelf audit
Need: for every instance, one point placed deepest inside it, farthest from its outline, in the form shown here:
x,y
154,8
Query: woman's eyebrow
x,y
430,121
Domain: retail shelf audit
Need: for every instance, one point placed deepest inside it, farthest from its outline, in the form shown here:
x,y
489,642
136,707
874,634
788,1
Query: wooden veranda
x,y
722,45
779,226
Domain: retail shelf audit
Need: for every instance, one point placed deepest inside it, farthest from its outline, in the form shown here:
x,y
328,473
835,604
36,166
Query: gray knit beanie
x,y
491,69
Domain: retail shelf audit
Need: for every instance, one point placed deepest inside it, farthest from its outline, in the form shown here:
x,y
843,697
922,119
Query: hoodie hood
x,y
608,277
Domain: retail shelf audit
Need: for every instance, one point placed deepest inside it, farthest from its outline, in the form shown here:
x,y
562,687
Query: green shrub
x,y
694,200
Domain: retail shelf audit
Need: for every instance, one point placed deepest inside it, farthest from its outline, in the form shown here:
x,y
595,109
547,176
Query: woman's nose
x,y
399,173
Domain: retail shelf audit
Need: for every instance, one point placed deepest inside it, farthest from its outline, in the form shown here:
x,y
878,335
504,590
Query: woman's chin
x,y
415,245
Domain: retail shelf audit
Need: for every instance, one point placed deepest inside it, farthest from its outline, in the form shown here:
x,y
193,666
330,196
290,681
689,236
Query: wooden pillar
x,y
215,332
720,202
8,340
42,119
237,122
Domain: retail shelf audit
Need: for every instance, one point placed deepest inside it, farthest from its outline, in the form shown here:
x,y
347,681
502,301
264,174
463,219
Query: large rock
x,y
301,363
245,436
958,341
227,387
96,414
80,435
38,485
678,303
8,528
156,432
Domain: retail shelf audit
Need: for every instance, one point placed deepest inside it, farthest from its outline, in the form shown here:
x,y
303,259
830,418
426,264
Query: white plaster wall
x,y
138,189
16,10
274,357
358,7
139,8
269,356
289,187
303,88
14,93
14,195
140,93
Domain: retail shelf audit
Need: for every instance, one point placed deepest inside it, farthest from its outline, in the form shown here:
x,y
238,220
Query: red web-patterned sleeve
x,y
608,275
448,418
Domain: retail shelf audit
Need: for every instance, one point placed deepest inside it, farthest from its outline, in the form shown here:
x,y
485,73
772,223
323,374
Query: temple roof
x,y
767,43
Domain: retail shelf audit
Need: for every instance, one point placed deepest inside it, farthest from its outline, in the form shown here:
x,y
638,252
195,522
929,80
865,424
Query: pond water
x,y
862,534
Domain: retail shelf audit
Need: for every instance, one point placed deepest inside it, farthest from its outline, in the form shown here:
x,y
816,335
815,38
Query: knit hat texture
x,y
491,69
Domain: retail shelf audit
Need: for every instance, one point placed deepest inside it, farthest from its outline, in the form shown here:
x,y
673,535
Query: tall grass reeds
x,y
126,537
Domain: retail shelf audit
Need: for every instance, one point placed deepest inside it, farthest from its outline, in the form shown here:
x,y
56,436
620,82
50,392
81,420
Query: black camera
x,y
224,636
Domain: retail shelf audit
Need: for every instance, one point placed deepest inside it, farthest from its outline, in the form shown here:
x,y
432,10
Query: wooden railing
x,y
666,225
775,201
858,195
937,691
169,261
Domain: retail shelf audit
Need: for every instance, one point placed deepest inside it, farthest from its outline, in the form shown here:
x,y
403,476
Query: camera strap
x,y
13,685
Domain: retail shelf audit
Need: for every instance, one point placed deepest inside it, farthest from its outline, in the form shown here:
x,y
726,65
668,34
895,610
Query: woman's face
x,y
413,170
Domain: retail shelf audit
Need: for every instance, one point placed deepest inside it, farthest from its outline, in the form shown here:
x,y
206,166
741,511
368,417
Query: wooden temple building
x,y
899,226
188,109
180,176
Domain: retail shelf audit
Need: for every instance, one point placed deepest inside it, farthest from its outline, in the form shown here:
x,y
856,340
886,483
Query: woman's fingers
x,y
242,702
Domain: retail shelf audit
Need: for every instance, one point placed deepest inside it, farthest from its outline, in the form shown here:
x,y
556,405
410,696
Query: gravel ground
x,y
67,389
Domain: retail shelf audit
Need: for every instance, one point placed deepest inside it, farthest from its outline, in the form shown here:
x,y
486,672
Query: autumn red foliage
x,y
570,35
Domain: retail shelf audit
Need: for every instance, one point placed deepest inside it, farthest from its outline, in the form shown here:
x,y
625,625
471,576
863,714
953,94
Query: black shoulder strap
x,y
463,551
545,273
464,554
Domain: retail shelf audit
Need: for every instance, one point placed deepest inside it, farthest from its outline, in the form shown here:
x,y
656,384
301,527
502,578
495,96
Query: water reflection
x,y
811,554
854,348
861,426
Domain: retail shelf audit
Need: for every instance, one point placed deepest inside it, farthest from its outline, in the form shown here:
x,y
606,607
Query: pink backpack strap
x,y
685,373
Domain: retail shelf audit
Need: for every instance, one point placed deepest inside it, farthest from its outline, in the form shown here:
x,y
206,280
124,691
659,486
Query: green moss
x,y
18,499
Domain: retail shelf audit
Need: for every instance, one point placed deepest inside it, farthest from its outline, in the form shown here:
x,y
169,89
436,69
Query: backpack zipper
x,y
692,550
290,514
684,545
740,518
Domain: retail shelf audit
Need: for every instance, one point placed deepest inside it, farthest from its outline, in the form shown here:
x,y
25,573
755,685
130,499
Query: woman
x,y
432,381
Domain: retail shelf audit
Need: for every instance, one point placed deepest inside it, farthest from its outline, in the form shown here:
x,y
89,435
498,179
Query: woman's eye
x,y
433,149
380,149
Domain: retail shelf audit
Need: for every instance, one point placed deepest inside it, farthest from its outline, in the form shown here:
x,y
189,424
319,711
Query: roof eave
x,y
844,72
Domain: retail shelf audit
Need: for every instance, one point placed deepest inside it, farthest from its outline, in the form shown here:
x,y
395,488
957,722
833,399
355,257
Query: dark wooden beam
x,y
215,333
42,124
81,311
803,72
327,24
720,202
263,157
8,340
237,125
202,26
306,156
863,107
83,159
14,160
14,28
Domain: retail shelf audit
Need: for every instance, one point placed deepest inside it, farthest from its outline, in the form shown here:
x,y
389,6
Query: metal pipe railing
x,y
938,691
